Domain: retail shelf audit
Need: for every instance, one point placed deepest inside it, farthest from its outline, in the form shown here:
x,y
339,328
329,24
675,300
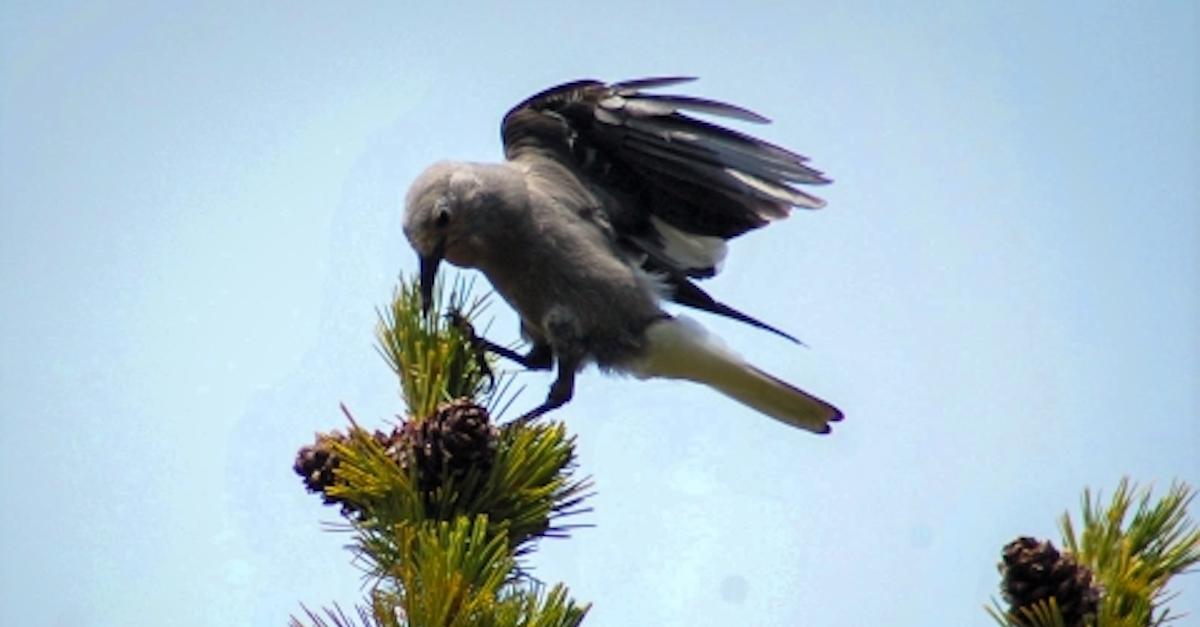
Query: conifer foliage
x,y
1113,572
445,505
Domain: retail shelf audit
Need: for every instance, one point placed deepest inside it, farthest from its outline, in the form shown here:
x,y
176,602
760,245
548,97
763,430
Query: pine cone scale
x,y
1035,571
458,437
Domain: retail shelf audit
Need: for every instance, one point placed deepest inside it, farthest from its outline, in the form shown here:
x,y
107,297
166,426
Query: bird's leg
x,y
561,391
480,345
565,341
539,357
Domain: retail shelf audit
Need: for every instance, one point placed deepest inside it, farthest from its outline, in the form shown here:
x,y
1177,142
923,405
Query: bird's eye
x,y
441,219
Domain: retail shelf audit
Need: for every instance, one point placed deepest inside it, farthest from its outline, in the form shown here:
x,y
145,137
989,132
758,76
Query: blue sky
x,y
200,213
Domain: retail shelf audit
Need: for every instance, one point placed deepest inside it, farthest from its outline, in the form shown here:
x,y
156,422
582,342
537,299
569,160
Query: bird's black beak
x,y
429,268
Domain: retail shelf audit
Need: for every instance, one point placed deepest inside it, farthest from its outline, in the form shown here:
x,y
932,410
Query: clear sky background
x,y
201,211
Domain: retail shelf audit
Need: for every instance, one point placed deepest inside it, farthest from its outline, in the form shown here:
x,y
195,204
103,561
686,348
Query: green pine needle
x,y
454,572
1044,613
449,558
1134,560
531,485
457,576
529,488
534,607
434,359
337,617
372,480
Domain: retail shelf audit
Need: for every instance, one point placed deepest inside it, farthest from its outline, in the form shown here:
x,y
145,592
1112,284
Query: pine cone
x,y
458,437
1033,571
315,465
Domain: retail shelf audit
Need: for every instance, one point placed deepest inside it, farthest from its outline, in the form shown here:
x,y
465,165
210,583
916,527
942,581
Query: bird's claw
x,y
455,319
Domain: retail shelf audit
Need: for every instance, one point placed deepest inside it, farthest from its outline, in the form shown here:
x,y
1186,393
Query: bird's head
x,y
436,216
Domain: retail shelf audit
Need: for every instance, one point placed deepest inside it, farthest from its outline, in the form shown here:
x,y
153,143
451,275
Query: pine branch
x,y
1044,613
433,358
443,507
1135,561
336,617
452,572
529,487
1112,573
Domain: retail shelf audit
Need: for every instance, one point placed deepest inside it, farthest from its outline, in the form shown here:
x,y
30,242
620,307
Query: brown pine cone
x,y
1034,571
315,465
459,436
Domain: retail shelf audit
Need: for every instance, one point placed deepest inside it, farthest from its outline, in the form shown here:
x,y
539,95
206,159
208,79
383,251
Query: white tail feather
x,y
679,348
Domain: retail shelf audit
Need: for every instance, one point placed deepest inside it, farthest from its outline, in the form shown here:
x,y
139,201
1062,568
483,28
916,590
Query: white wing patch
x,y
688,250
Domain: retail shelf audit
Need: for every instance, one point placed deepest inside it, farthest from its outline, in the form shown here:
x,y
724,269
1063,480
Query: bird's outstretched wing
x,y
674,187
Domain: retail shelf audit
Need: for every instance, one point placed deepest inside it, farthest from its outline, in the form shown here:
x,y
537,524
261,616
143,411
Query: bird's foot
x,y
479,346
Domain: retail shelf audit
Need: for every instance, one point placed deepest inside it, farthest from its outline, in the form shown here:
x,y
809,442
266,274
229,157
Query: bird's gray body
x,y
549,254
610,201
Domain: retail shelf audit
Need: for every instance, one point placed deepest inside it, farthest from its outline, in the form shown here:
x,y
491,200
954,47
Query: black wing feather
x,y
649,159
632,86
687,293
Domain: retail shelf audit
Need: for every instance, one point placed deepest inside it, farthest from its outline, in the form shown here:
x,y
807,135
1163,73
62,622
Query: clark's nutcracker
x,y
610,200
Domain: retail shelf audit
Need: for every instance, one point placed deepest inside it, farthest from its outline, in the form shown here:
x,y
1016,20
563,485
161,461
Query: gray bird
x,y
610,200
